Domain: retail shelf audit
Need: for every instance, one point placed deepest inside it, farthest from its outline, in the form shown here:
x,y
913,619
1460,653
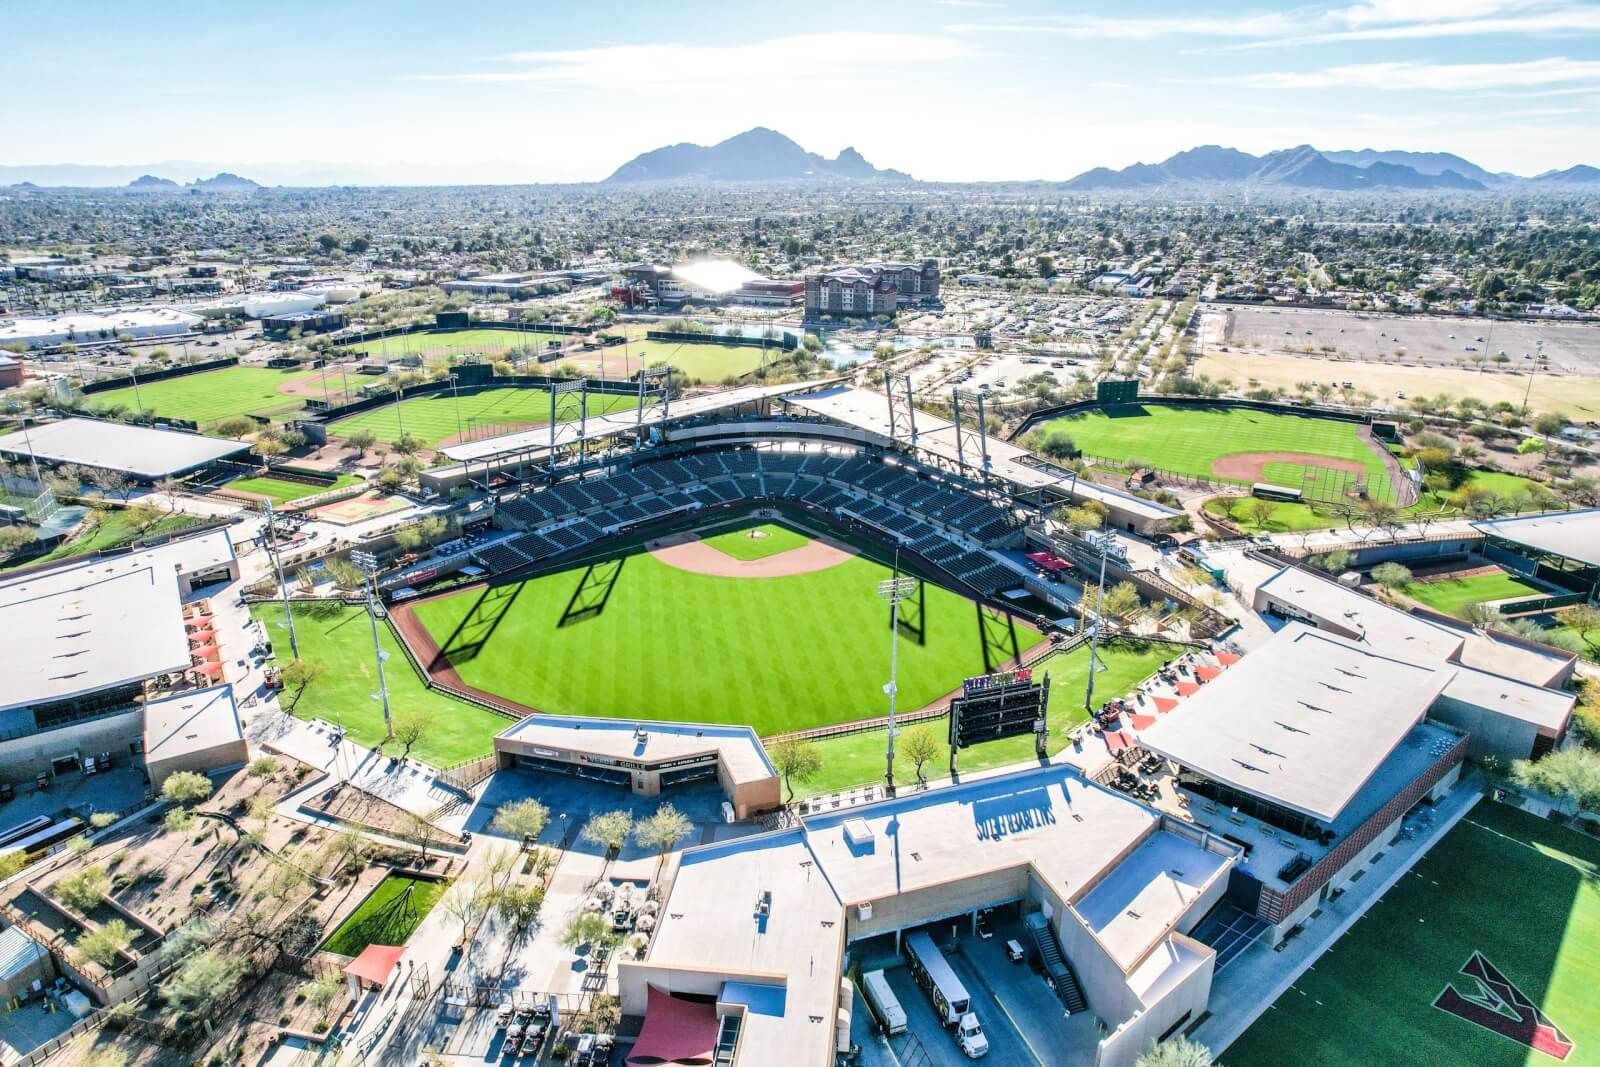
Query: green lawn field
x,y
340,640
634,637
740,545
1452,595
857,759
209,396
432,419
107,529
454,343
1189,440
387,916
1522,891
698,359
1290,517
281,490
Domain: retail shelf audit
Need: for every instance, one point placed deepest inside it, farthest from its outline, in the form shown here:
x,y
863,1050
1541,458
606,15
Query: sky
x,y
951,90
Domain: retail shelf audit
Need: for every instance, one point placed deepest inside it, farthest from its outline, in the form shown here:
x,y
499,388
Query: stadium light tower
x,y
369,563
894,590
277,566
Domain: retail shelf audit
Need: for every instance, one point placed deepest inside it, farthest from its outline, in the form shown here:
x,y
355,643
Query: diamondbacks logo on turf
x,y
1500,1006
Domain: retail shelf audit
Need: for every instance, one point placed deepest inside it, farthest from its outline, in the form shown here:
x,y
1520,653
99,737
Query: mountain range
x,y
1302,167
758,155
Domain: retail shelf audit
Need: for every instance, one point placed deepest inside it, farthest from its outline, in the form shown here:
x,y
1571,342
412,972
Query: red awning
x,y
1227,659
1142,722
1187,689
1206,674
675,1032
1049,562
1116,740
210,670
375,963
1164,704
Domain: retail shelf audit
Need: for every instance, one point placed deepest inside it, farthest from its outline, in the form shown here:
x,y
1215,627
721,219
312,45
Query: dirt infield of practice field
x,y
687,552
1251,466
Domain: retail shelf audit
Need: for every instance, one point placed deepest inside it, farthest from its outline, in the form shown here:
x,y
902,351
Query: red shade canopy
x,y
210,670
375,963
1187,689
1116,740
1142,722
1205,674
1227,659
1164,704
676,1032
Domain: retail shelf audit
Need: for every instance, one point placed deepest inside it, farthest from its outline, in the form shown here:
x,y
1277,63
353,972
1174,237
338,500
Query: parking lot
x,y
1021,1017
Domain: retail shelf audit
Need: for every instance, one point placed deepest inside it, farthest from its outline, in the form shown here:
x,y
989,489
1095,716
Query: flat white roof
x,y
1303,721
1131,907
1547,709
1573,534
195,721
140,451
1383,628
74,631
648,742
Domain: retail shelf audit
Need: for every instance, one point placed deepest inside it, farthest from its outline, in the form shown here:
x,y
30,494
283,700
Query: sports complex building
x,y
1562,548
139,453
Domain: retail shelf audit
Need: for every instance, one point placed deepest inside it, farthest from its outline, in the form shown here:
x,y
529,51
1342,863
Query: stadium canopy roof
x,y
138,451
642,741
1573,535
1303,721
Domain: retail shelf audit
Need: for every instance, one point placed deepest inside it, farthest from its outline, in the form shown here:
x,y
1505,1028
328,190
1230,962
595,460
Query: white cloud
x,y
800,57
1427,76
1102,27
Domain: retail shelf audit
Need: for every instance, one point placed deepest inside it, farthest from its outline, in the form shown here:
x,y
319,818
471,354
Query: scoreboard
x,y
996,706
1117,392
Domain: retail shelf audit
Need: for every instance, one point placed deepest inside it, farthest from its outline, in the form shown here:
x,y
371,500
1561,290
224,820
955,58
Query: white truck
x,y
950,1000
885,1005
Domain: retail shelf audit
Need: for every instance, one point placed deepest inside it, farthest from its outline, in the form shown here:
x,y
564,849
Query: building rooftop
x,y
1304,721
195,721
1132,907
1380,626
1572,534
1548,709
715,275
138,451
649,742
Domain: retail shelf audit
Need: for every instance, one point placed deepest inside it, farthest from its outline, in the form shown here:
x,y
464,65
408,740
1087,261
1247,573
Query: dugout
x,y
647,758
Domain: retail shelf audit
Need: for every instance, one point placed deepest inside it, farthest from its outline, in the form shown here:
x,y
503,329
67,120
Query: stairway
x,y
1044,939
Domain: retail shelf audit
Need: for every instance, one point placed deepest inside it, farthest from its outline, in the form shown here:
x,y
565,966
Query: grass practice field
x,y
698,359
209,396
769,539
108,529
281,490
388,916
339,638
635,637
454,343
1521,891
857,759
1192,441
1451,596
432,419
1290,517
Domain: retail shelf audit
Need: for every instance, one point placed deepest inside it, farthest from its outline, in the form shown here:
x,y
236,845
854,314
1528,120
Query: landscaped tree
x,y
409,728
1335,562
111,483
467,901
1392,575
1572,774
519,906
920,746
1260,512
522,819
202,980
361,440
298,674
797,759
1584,619
609,829
1121,600
236,426
11,863
584,929
1177,1051
262,767
83,892
662,830
106,942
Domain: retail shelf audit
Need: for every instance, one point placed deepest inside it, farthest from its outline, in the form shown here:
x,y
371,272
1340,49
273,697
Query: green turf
x,y
454,343
108,529
857,759
740,545
640,638
341,641
385,918
209,396
1521,890
281,490
1290,516
700,359
1188,440
432,419
1451,596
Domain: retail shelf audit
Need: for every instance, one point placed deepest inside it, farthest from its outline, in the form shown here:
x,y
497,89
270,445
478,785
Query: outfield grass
x,y
1523,891
340,640
638,638
108,529
741,546
1188,440
209,396
700,359
1452,596
1290,517
454,342
432,419
857,759
384,918
281,490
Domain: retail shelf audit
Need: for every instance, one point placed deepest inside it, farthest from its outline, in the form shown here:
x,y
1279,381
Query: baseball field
x,y
434,419
454,343
209,396
1232,444
683,630
1487,952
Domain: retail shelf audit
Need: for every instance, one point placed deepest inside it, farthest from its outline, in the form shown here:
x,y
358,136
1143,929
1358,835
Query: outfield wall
x,y
1044,415
105,385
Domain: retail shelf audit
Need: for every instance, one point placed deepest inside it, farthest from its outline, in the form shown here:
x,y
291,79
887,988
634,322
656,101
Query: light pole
x,y
369,563
134,376
277,566
1094,635
1538,354
894,590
